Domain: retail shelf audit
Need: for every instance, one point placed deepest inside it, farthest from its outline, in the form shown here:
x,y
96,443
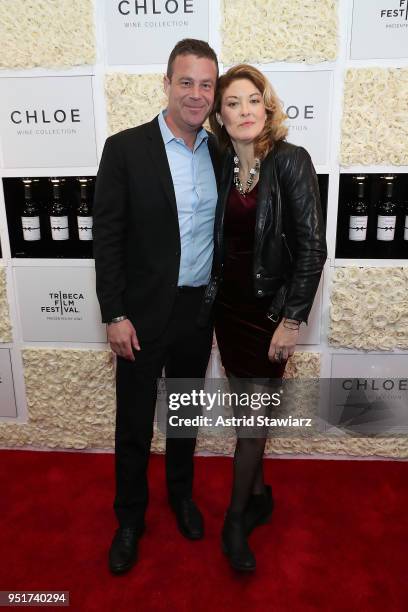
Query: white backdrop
x,y
138,42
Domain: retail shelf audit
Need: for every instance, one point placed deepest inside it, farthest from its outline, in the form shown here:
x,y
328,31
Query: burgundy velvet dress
x,y
242,328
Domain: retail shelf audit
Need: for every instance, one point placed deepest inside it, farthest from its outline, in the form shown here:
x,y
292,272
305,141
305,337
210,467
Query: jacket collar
x,y
268,192
158,154
157,151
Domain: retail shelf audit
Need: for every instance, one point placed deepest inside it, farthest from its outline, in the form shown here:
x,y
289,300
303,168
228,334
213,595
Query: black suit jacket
x,y
136,230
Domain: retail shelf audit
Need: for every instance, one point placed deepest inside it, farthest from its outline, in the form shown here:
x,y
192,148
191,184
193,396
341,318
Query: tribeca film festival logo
x,y
44,122
396,17
156,13
63,306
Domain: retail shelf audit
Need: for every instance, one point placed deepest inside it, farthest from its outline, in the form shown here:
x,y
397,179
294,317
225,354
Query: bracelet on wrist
x,y
118,319
292,324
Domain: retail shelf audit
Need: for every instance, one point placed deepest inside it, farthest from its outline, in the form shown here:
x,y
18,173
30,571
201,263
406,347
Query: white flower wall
x,y
71,404
5,324
70,397
133,99
263,31
71,400
369,308
49,34
70,392
375,117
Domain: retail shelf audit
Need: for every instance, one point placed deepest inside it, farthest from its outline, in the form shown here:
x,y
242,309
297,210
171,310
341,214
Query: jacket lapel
x,y
223,192
266,201
215,158
158,154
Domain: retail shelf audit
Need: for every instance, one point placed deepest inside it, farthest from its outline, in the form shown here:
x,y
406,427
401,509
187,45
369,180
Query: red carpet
x,y
338,540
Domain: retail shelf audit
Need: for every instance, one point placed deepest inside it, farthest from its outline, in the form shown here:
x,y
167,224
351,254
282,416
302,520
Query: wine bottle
x,y
358,211
404,206
58,212
402,229
84,211
30,214
387,211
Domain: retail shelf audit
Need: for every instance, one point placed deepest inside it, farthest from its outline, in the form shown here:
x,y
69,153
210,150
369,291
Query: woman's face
x,y
242,111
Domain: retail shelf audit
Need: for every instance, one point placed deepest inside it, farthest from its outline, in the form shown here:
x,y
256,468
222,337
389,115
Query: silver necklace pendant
x,y
252,174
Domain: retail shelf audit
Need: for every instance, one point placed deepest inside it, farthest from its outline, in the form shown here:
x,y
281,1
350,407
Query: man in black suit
x,y
154,208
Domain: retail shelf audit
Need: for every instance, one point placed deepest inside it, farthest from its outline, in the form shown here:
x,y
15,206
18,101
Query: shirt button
x,y
260,292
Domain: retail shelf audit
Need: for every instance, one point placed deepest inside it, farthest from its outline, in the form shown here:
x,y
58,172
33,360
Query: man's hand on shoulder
x,y
123,339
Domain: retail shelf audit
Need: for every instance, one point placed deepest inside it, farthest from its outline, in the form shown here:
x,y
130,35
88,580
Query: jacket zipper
x,y
287,246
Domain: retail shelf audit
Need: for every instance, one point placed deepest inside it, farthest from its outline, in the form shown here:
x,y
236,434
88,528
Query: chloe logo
x,y
155,7
294,112
42,116
371,384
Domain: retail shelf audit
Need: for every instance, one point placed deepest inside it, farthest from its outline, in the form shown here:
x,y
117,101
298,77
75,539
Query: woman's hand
x,y
284,341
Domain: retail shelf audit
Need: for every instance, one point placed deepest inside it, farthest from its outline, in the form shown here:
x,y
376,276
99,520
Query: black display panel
x,y
44,216
372,219
31,207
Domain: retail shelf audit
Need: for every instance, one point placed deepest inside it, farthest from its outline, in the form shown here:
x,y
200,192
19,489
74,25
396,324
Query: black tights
x,y
248,472
248,477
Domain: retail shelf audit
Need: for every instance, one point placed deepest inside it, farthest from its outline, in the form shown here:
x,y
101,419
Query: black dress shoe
x,y
259,509
189,518
123,551
235,545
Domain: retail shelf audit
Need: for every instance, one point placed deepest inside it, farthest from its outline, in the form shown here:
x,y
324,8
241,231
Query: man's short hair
x,y
191,46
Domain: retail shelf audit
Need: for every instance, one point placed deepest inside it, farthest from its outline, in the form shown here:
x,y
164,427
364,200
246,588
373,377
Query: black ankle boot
x,y
235,545
258,510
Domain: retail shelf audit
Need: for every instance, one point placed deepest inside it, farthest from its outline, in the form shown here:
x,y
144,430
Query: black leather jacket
x,y
290,245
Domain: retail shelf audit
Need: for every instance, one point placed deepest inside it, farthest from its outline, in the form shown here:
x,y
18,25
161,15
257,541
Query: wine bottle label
x,y
406,228
59,228
31,228
358,227
85,228
386,227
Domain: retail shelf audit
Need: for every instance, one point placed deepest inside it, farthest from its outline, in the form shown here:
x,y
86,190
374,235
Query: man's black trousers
x,y
183,349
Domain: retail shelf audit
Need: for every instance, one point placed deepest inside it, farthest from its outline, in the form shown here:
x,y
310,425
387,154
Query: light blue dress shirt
x,y
196,196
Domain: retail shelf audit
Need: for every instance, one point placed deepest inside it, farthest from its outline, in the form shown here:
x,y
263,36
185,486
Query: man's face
x,y
190,91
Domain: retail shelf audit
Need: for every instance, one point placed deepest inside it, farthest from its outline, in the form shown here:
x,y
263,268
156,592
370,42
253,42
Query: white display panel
x,y
306,98
145,31
379,29
368,365
58,305
47,122
369,393
7,397
144,45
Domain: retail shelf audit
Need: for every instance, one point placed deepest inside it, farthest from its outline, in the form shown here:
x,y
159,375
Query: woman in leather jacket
x,y
269,253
